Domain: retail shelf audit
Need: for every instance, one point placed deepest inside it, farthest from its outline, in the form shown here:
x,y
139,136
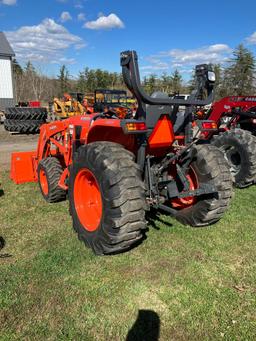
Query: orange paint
x,y
43,182
87,199
181,203
22,167
162,135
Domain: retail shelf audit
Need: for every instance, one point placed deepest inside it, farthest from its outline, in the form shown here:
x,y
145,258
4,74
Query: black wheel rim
x,y
233,158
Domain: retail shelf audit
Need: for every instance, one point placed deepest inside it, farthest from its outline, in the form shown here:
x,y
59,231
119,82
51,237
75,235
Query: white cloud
x,y
64,60
65,16
185,60
251,39
208,54
81,17
44,42
105,23
157,66
8,2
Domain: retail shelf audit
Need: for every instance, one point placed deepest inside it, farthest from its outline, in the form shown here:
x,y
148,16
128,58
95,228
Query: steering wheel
x,y
108,115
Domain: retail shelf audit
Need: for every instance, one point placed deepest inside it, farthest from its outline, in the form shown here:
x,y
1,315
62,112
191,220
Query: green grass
x,y
200,283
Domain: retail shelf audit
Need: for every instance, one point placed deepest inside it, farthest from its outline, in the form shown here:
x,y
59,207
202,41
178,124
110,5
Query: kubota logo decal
x,y
250,99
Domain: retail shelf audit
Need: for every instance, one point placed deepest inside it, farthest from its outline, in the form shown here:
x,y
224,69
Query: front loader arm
x,y
227,104
54,135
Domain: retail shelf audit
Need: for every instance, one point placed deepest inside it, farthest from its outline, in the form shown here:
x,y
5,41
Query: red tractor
x,y
114,170
236,120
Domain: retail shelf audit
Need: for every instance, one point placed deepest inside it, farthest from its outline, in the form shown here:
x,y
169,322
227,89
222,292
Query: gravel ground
x,y
11,142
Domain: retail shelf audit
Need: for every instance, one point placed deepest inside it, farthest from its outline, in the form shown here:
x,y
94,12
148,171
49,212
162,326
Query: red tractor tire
x,y
49,171
107,198
239,149
209,167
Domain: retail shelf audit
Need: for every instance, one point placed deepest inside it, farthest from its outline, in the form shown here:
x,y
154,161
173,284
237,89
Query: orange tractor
x,y
114,170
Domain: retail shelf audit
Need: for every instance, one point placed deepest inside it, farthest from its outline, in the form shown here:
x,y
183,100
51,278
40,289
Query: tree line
x,y
237,77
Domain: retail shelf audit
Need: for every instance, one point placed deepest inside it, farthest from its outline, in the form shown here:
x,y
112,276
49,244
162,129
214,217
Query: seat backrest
x,y
155,111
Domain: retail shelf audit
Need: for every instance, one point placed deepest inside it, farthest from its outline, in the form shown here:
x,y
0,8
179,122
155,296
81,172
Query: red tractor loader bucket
x,y
23,167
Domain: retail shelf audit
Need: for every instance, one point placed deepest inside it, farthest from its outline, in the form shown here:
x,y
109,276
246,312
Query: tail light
x,y
134,127
209,125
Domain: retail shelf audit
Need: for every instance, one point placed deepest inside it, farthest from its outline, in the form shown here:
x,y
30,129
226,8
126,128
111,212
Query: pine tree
x,y
176,80
150,84
81,83
29,68
63,78
218,80
166,83
17,69
239,76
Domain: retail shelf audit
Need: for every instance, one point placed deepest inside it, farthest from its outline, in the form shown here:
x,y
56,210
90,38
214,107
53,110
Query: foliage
x,y
171,84
30,83
236,78
89,80
63,79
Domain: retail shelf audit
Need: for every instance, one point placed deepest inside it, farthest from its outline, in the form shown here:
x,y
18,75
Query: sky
x,y
167,35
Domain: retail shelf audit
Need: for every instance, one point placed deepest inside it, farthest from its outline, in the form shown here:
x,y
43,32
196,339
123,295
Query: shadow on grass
x,y
153,216
146,327
2,245
1,192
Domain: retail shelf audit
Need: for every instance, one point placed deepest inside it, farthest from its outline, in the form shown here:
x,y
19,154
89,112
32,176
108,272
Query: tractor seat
x,y
155,111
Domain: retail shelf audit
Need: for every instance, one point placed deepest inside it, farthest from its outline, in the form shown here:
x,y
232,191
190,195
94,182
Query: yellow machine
x,y
69,106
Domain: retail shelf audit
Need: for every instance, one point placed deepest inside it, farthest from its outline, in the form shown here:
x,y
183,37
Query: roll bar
x,y
131,75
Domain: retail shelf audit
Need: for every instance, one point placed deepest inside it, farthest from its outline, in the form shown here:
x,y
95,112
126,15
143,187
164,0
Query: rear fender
x,y
111,130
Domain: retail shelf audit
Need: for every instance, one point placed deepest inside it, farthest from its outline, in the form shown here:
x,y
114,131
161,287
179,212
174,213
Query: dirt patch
x,y
10,143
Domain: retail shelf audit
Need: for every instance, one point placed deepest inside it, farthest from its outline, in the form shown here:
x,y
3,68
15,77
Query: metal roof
x,y
5,47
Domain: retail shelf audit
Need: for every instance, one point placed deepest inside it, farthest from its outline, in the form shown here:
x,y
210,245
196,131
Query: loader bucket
x,y
23,167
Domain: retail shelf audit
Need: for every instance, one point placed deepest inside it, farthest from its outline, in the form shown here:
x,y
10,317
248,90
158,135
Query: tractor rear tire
x,y
49,171
239,149
211,168
23,126
107,198
26,114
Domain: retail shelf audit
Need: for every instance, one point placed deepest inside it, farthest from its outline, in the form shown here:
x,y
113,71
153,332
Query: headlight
x,y
211,76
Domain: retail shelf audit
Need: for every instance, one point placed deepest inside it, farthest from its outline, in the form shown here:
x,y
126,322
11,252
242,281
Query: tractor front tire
x,y
239,149
107,198
49,172
210,167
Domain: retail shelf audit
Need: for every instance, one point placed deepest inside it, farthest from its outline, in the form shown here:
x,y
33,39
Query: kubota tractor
x,y
115,170
236,120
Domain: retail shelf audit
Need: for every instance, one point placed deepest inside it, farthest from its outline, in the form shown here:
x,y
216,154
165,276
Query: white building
x,y
7,97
